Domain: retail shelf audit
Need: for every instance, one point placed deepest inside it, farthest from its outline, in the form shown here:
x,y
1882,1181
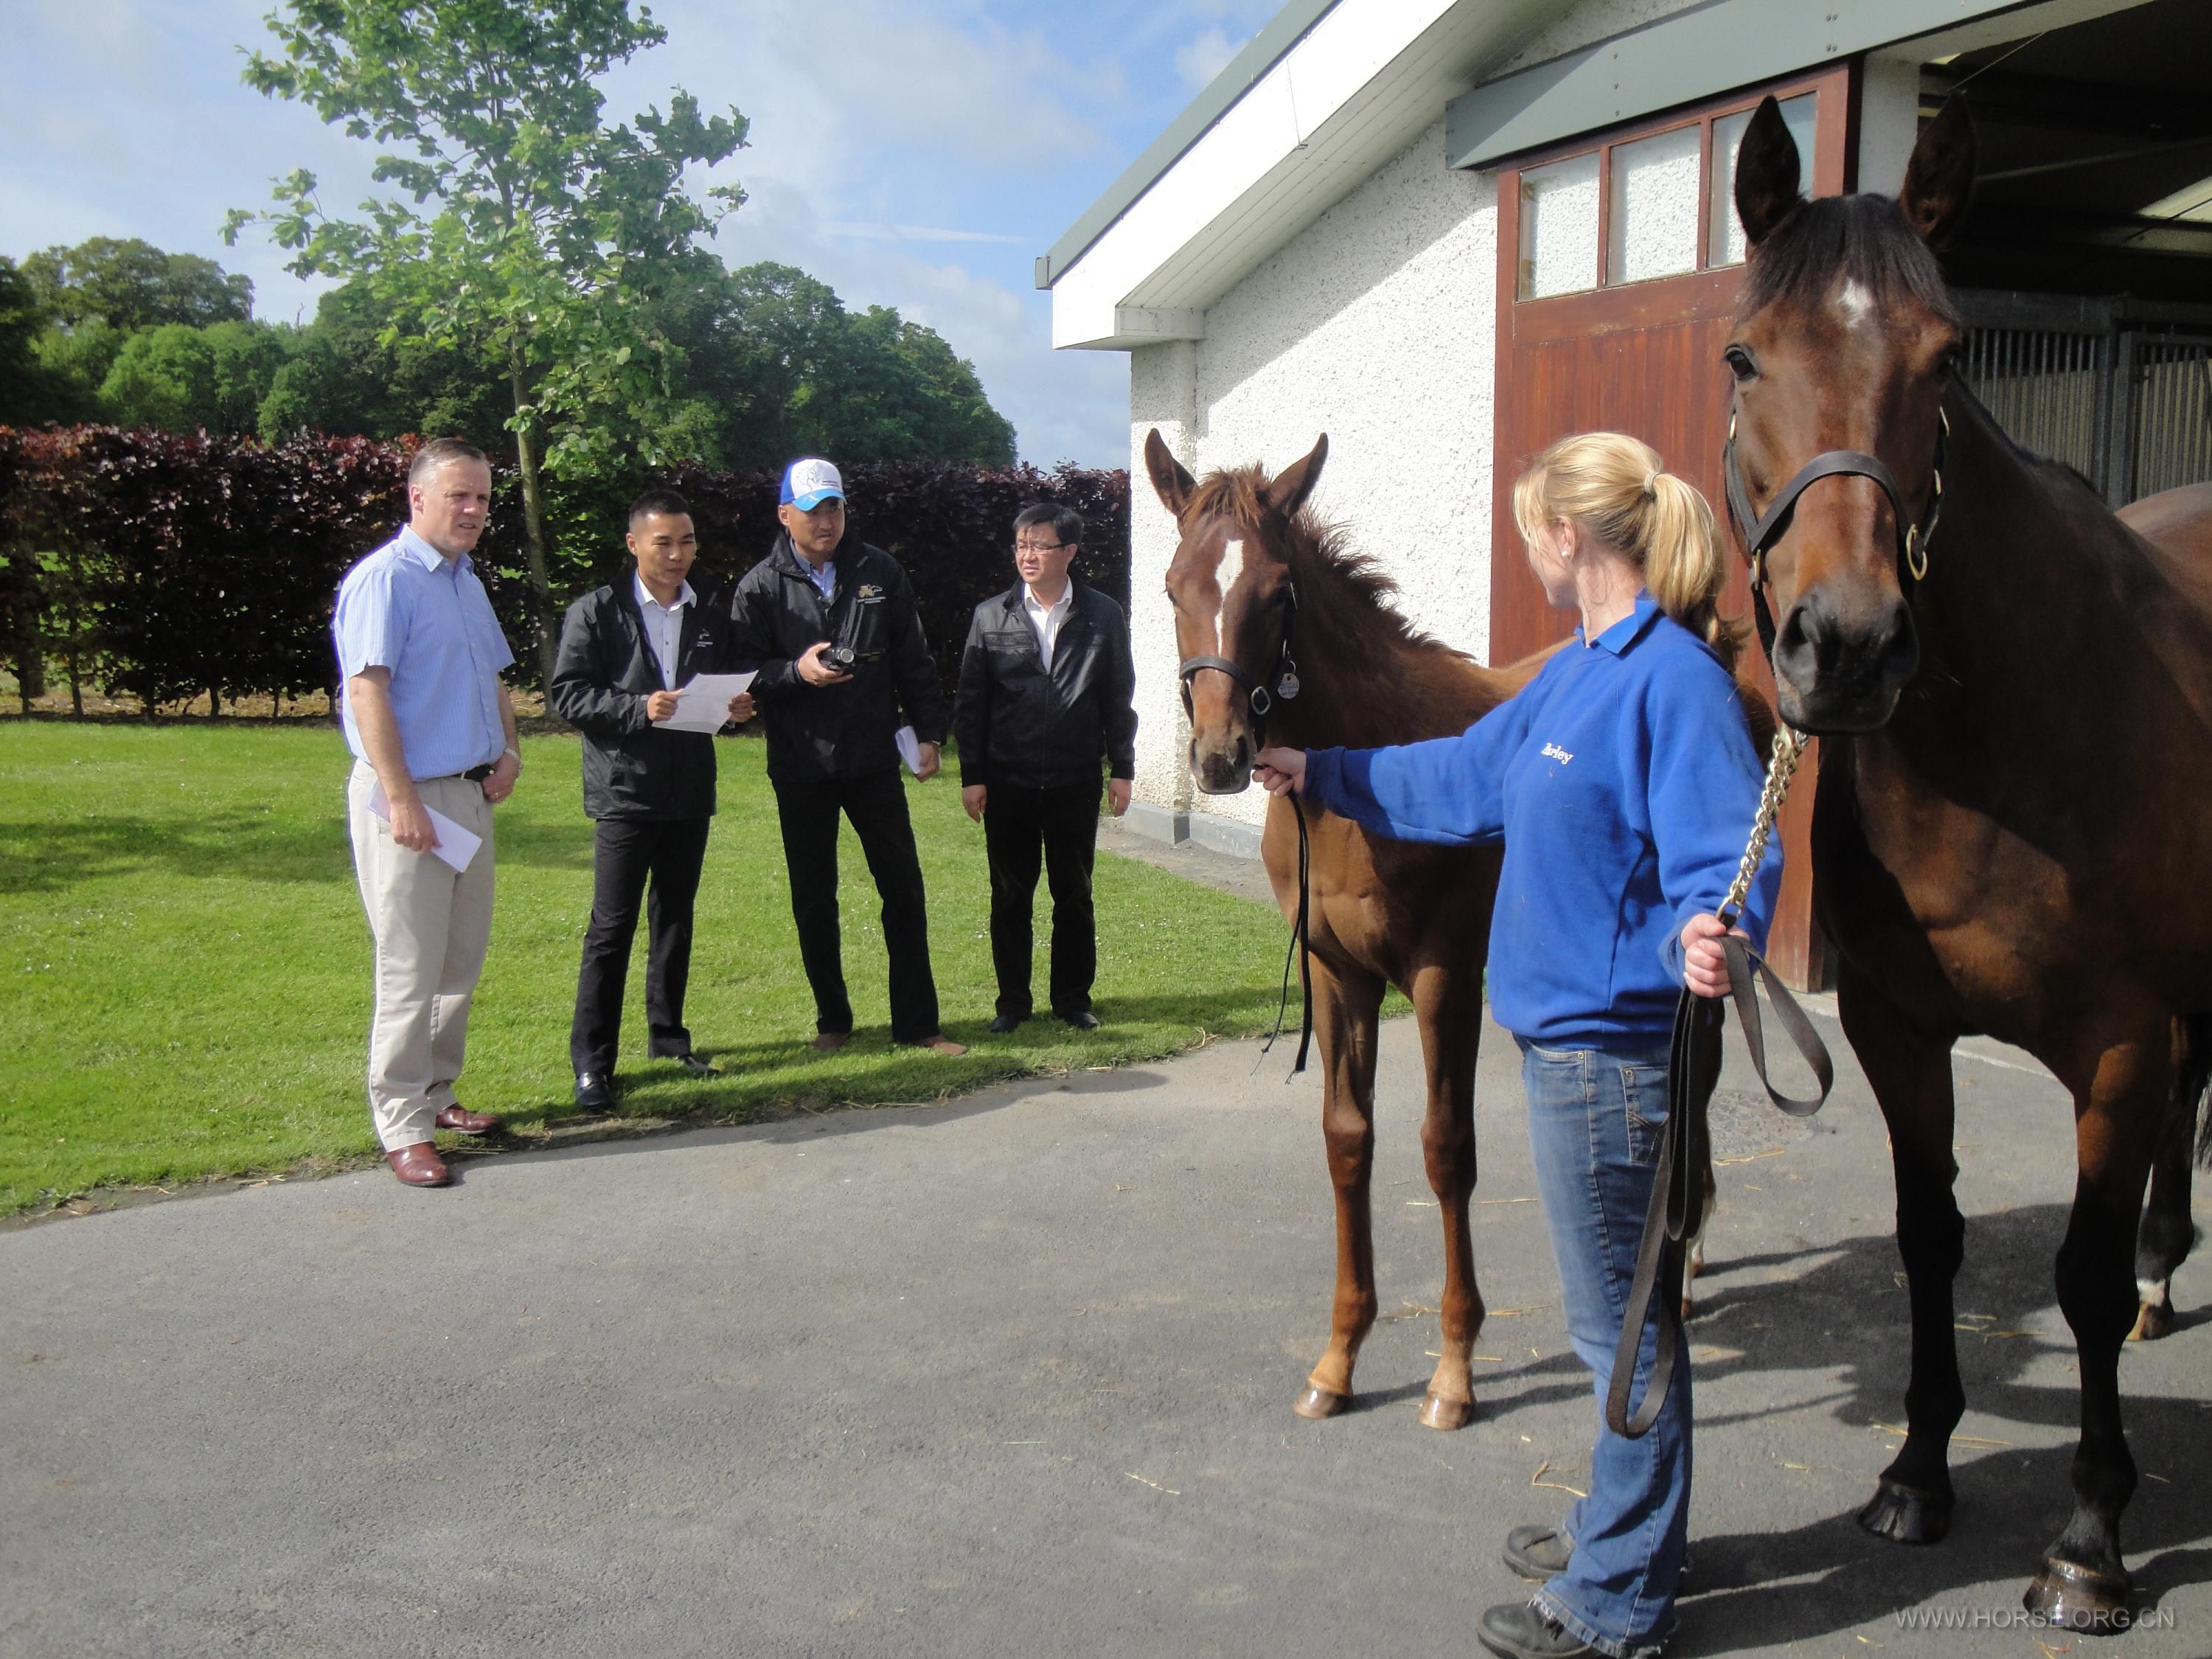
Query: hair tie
x,y
1652,484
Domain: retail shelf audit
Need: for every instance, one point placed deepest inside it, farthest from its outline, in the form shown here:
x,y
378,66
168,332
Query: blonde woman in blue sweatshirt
x,y
1623,782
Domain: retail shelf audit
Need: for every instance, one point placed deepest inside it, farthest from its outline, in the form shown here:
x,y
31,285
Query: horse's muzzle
x,y
1223,768
1838,675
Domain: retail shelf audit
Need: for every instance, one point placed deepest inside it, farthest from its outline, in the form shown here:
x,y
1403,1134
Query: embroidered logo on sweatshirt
x,y
1553,751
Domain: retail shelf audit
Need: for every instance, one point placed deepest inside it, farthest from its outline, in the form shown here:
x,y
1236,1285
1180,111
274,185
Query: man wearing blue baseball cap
x,y
830,624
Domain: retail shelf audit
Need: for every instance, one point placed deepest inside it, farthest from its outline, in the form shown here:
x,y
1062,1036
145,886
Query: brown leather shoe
x,y
828,1043
463,1122
940,1044
419,1165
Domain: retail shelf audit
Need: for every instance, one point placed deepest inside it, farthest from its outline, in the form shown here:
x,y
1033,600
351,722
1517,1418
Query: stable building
x,y
1447,231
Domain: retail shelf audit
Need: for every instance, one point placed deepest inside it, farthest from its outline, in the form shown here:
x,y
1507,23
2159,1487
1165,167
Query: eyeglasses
x,y
1042,547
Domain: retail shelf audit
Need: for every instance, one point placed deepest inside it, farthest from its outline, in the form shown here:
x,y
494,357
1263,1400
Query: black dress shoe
x,y
1082,1019
1005,1023
595,1092
695,1066
1521,1630
1538,1552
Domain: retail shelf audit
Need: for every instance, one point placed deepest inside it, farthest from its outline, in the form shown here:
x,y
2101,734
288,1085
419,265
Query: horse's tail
x,y
2193,1091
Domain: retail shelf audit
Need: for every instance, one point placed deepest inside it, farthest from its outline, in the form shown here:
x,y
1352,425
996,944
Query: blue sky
x,y
913,153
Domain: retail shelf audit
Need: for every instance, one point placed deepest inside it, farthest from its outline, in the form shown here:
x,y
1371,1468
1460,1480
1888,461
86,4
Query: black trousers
x,y
1062,825
625,852
876,806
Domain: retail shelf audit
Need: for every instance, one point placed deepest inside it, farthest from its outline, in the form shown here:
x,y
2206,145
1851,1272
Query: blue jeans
x,y
1595,1119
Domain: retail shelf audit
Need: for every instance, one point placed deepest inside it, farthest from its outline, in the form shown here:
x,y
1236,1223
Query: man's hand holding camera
x,y
816,671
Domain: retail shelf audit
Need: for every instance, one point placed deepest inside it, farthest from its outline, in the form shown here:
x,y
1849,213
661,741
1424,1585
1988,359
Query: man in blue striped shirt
x,y
431,730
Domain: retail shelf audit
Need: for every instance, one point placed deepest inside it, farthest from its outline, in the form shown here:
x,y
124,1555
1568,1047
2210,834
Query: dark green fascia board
x,y
1694,54
1260,53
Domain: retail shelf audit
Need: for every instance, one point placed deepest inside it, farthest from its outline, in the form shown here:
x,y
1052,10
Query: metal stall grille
x,y
2118,390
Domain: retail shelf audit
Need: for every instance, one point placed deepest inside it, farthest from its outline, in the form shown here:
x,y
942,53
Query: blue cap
x,y
808,483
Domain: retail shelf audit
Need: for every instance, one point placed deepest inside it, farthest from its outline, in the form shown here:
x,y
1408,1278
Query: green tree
x,y
27,394
788,371
538,236
75,363
132,285
354,371
178,379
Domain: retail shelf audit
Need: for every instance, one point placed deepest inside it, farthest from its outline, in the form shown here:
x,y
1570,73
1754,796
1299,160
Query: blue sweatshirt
x,y
1623,782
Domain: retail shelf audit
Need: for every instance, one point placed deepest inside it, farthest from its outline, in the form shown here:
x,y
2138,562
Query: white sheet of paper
x,y
456,846
910,750
703,704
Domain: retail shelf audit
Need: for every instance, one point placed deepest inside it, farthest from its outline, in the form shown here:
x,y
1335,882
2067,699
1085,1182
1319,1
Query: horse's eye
x,y
1740,363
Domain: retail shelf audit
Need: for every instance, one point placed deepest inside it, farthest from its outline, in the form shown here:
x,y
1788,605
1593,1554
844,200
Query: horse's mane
x,y
1863,239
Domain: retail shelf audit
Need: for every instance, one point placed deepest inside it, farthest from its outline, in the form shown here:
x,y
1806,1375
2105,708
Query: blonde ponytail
x,y
1616,487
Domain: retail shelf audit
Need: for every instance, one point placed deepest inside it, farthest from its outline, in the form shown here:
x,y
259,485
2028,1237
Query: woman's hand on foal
x,y
1705,965
1279,771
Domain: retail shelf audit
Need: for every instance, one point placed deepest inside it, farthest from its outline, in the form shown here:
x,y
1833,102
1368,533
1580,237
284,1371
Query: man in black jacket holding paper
x,y
626,651
1047,695
831,624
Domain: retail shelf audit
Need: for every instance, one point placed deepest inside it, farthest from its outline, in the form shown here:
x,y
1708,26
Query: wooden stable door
x,y
1618,259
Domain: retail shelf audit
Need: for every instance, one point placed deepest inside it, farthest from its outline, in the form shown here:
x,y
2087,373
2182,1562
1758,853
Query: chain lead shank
x,y
1789,749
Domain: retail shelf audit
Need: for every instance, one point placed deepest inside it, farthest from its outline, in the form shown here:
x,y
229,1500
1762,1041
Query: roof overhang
x,y
1326,95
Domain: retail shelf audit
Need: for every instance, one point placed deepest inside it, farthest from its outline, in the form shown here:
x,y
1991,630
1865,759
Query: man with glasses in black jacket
x,y
1047,693
625,652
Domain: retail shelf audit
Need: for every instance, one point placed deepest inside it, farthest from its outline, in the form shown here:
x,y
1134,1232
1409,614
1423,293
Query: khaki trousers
x,y
431,926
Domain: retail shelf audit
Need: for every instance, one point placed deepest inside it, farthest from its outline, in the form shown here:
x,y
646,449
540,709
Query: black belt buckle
x,y
478,774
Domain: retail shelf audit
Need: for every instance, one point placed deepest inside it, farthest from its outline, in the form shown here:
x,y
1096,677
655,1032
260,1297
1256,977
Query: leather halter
x,y
1258,698
1760,532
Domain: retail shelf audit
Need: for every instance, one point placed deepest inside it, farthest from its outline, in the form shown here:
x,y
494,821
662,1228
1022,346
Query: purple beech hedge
x,y
159,567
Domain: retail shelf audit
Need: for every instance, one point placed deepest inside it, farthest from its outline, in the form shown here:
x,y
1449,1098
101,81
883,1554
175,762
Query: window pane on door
x,y
1654,227
1726,243
1559,228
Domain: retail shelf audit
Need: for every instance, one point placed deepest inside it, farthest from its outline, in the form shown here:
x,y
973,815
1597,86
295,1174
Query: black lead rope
x,y
1301,949
1678,1194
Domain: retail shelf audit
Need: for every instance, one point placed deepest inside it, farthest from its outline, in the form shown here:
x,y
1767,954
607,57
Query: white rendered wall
x,y
1163,395
1376,326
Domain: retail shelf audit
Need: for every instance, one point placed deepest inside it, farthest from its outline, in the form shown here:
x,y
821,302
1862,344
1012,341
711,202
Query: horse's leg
x,y
2116,1127
1448,1004
1911,1071
2167,1232
1345,1010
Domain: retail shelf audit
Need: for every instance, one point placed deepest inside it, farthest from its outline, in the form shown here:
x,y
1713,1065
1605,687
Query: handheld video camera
x,y
844,659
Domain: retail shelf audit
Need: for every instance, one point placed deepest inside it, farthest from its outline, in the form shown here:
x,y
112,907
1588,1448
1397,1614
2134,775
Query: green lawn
x,y
184,967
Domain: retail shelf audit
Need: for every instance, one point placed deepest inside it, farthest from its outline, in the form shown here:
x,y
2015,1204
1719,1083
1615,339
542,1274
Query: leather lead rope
x,y
1693,1068
1301,949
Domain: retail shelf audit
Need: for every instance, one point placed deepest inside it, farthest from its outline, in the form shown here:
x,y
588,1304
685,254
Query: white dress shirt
x,y
1046,619
664,625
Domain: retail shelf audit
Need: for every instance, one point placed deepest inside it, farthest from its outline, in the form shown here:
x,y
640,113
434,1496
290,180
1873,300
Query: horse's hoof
x,y
2079,1598
1317,1403
2155,1320
1907,1514
1439,1413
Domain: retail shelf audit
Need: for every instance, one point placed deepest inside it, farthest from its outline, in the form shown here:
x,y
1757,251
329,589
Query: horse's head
x,y
1229,583
1845,340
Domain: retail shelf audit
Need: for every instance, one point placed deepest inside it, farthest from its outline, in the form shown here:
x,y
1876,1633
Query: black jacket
x,y
1017,724
817,732
601,679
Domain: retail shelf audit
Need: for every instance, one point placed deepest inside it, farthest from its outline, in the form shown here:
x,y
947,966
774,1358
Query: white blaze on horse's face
x,y
1223,744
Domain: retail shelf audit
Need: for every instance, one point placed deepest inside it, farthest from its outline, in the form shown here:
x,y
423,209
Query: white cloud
x,y
1199,61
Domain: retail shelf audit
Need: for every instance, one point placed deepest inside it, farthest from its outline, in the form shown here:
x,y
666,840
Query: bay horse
x,y
1259,588
2014,687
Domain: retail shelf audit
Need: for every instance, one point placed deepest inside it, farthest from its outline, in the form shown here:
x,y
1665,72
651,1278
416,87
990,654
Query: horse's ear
x,y
1766,182
1170,483
1287,493
1940,178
